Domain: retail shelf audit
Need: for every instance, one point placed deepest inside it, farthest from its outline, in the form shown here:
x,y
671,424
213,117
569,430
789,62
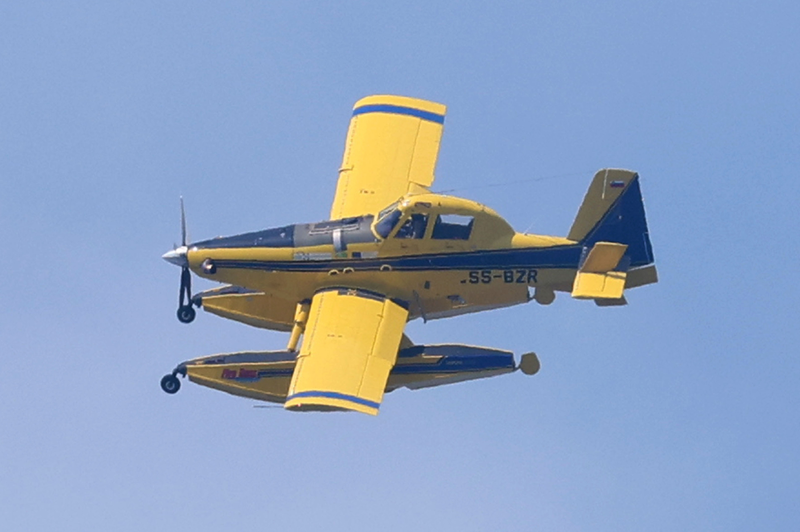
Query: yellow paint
x,y
214,376
300,319
590,285
259,310
594,279
490,230
350,347
386,156
603,257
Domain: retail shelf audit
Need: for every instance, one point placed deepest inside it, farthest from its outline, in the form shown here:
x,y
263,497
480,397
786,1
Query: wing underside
x,y
349,349
391,150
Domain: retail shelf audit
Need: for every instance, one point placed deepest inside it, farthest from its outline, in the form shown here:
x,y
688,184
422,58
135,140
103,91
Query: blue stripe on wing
x,y
399,110
334,395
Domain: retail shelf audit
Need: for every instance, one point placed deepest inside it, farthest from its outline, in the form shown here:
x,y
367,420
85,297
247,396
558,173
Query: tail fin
x,y
613,211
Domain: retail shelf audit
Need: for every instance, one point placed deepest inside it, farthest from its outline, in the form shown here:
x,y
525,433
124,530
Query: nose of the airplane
x,y
177,256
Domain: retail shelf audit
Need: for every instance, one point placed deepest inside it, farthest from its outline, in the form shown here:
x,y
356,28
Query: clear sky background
x,y
677,412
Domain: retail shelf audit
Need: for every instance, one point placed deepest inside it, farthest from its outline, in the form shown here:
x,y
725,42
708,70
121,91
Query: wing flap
x,y
351,344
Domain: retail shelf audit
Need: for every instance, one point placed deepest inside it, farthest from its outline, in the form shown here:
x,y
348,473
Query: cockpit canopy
x,y
435,217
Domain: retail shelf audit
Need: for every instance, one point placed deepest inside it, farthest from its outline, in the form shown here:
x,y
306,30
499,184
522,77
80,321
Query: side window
x,y
414,227
452,227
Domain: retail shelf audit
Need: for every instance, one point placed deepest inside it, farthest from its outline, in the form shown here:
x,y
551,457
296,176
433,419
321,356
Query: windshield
x,y
387,210
387,221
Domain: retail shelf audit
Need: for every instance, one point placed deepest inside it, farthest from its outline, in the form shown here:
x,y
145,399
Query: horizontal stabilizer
x,y
596,277
603,257
641,276
599,285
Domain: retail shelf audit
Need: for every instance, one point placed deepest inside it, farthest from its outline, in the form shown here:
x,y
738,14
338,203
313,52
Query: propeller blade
x,y
183,224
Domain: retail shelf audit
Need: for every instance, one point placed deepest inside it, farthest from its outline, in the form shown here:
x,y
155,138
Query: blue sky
x,y
677,412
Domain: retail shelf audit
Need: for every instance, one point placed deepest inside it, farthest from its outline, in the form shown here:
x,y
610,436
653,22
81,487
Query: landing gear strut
x,y
186,313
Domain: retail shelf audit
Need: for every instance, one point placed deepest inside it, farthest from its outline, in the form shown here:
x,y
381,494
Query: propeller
x,y
183,224
178,256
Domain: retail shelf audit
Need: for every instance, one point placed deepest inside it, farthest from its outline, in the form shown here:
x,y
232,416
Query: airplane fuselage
x,y
434,278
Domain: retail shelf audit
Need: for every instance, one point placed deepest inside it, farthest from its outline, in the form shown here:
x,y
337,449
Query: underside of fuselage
x,y
432,286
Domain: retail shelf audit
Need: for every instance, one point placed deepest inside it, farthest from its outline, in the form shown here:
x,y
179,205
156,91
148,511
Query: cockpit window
x,y
387,210
414,227
452,227
387,219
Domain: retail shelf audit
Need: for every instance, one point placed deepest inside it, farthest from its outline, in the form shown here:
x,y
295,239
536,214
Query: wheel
x,y
186,314
170,384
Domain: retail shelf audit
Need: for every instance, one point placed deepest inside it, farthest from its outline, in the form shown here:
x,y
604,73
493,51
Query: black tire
x,y
170,384
186,314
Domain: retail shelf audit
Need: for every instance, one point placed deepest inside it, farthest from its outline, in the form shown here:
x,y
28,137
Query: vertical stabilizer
x,y
613,211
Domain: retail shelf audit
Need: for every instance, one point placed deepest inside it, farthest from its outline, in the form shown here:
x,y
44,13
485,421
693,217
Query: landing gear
x,y
170,384
186,314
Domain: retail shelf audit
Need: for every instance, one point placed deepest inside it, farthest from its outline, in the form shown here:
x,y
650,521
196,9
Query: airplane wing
x,y
350,346
391,149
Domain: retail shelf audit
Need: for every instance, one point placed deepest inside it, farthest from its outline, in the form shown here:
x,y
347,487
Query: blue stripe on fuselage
x,y
457,364
400,110
554,257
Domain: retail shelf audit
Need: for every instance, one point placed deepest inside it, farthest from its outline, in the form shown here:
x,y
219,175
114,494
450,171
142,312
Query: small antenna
x,y
514,182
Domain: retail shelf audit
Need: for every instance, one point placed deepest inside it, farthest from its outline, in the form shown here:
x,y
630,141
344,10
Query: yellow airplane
x,y
393,251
